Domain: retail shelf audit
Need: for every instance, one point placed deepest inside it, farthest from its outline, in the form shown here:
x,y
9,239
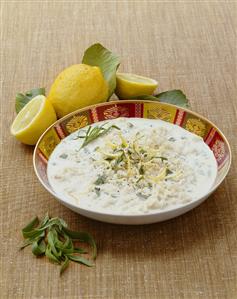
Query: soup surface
x,y
131,166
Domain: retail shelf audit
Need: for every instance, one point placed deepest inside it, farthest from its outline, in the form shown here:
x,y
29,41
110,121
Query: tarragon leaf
x,y
51,241
108,62
30,226
50,255
44,220
66,247
54,221
83,237
38,247
26,243
80,259
96,132
60,248
79,250
64,265
35,233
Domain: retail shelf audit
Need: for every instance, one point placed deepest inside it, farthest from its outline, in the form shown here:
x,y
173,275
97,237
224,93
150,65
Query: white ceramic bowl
x,y
132,108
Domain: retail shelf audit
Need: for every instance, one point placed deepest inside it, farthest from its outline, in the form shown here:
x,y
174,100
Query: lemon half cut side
x,y
33,120
132,85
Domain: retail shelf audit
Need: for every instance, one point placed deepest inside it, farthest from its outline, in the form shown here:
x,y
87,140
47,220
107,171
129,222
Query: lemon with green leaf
x,y
33,119
131,85
76,87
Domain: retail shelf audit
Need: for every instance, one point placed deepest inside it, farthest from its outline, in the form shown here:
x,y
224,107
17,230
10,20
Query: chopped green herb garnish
x,y
52,238
172,139
119,160
141,170
162,158
142,196
97,191
109,159
141,177
101,180
168,171
63,156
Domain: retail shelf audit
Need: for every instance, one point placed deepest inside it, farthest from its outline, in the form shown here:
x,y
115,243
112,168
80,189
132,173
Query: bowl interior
x,y
144,109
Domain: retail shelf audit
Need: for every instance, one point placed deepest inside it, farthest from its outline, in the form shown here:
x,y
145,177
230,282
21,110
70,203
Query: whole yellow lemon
x,y
77,86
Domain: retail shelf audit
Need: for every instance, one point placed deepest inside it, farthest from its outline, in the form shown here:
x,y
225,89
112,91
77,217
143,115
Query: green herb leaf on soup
x,y
94,133
108,62
168,171
100,180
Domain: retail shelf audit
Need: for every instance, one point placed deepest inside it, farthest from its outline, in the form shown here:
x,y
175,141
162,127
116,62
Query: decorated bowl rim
x,y
115,102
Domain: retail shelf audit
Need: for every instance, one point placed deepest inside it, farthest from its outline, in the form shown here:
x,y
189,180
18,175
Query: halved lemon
x,y
33,120
131,85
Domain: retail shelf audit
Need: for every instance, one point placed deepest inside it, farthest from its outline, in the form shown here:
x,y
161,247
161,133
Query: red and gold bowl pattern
x,y
132,108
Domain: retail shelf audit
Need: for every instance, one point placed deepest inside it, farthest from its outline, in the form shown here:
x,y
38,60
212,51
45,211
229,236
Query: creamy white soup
x,y
131,166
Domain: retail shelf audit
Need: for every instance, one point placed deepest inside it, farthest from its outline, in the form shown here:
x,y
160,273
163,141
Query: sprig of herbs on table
x,y
52,238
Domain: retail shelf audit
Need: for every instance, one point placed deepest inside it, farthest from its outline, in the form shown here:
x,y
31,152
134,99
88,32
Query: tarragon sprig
x,y
93,133
52,238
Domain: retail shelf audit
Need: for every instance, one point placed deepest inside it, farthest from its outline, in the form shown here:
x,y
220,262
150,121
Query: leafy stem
x,y
93,133
52,238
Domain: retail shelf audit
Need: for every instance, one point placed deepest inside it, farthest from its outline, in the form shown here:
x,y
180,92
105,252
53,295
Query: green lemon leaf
x,y
108,62
145,97
23,99
175,97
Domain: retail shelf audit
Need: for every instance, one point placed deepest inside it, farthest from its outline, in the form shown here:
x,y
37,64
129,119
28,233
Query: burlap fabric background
x,y
189,45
